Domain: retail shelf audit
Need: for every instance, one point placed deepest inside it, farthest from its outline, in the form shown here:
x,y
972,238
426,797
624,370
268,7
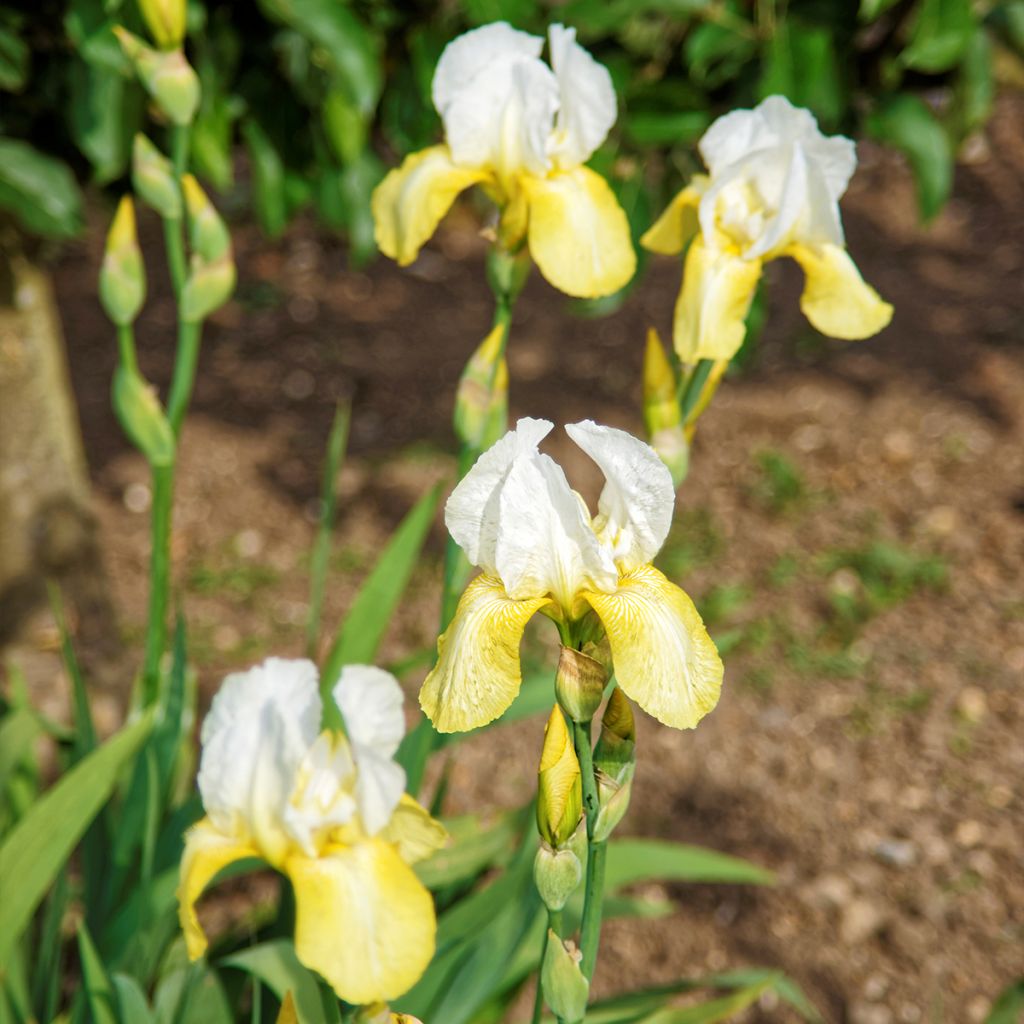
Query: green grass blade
x,y
47,954
131,1000
714,1010
34,852
641,860
276,966
99,990
336,445
18,730
1009,1007
85,731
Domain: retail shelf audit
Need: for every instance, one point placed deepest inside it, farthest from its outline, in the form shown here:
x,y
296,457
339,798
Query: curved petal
x,y
578,234
663,656
586,110
471,512
477,675
415,834
637,501
362,920
718,287
412,199
370,701
790,205
836,299
669,234
260,725
207,851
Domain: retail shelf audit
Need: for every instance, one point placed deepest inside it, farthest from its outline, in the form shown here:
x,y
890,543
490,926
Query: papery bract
x,y
516,517
773,189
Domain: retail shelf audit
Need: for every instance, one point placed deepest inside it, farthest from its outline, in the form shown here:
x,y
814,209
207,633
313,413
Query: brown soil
x,y
870,757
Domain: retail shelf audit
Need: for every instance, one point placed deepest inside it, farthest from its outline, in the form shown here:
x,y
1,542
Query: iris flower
x,y
773,189
522,131
539,549
328,811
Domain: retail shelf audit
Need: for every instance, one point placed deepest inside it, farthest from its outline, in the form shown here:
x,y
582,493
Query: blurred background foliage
x,y
324,95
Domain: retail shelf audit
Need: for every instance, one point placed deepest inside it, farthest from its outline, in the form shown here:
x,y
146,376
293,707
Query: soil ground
x,y
852,528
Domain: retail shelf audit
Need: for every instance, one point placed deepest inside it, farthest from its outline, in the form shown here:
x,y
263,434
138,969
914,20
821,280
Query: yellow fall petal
x,y
836,299
663,656
207,851
412,199
415,834
718,287
362,920
477,674
578,234
669,234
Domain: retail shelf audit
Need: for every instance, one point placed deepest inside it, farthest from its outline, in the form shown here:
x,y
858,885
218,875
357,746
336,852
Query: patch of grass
x,y
240,580
722,602
694,540
779,486
784,571
879,706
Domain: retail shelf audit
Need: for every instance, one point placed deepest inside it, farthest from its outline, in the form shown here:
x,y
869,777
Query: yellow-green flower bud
x,y
207,287
579,684
613,801
207,233
166,75
566,988
482,395
142,417
663,416
557,874
559,788
153,178
165,20
616,745
122,274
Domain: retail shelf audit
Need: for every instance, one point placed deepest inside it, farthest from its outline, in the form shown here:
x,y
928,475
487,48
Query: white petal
x,y
636,504
586,110
471,513
835,157
370,701
791,202
545,543
733,137
322,798
503,119
380,783
260,725
472,52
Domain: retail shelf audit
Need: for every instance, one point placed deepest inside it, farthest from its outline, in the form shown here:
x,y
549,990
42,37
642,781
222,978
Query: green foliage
x,y
779,485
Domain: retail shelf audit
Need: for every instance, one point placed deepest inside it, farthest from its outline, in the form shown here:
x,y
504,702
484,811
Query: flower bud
x,y
142,417
165,20
613,801
579,684
663,416
559,789
481,401
557,874
507,271
616,744
566,988
153,178
207,233
166,75
207,287
288,1014
122,274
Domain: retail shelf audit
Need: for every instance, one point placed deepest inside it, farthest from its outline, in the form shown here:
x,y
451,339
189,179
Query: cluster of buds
x,y
663,416
165,74
211,278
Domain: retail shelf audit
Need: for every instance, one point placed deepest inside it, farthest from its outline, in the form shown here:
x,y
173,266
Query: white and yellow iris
x,y
328,811
522,130
772,190
516,517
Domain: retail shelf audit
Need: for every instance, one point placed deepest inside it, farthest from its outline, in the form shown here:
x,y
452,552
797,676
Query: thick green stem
x,y
159,582
184,374
126,347
590,931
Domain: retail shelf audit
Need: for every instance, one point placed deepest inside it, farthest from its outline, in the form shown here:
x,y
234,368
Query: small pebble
x,y
900,853
969,833
876,986
861,919
972,704
249,543
137,498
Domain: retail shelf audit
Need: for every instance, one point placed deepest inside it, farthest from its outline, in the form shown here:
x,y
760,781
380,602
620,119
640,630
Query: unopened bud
x,y
566,988
616,744
165,20
559,788
288,1014
142,417
207,287
579,684
613,801
122,274
663,416
557,874
165,74
482,396
207,233
153,178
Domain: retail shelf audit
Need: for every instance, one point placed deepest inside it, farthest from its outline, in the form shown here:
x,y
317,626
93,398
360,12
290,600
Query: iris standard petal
x,y
718,287
370,701
477,675
836,299
207,851
412,199
578,234
663,656
362,920
670,233
586,110
638,498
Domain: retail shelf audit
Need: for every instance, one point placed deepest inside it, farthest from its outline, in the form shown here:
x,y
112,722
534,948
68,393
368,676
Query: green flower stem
x,y
159,582
184,376
693,385
126,347
555,925
593,893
